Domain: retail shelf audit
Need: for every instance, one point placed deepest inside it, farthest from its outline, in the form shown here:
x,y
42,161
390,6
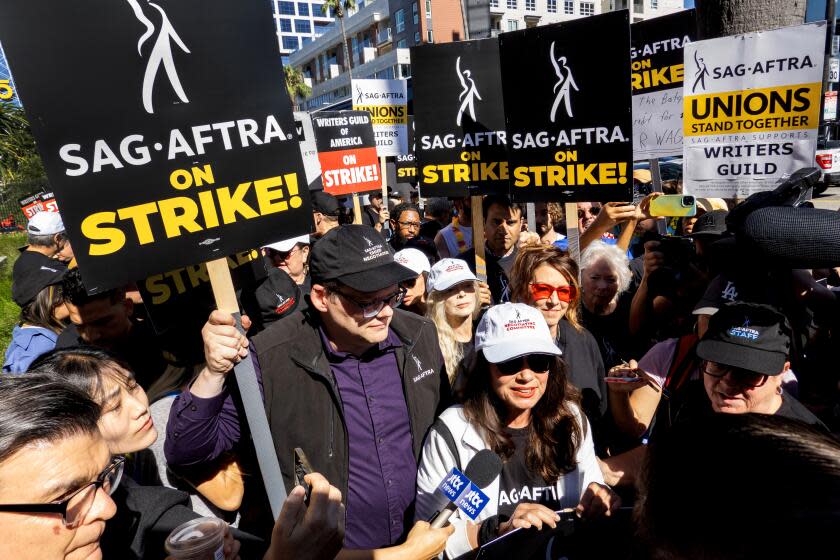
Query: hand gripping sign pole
x,y
246,379
357,209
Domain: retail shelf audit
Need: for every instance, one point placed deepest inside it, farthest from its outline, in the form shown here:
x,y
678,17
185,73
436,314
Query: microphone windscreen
x,y
483,468
791,237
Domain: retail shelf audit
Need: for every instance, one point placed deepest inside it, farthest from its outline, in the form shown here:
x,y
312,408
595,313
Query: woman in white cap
x,y
292,257
452,302
518,404
415,289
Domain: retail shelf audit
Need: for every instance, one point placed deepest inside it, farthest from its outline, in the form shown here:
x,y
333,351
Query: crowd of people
x,y
654,385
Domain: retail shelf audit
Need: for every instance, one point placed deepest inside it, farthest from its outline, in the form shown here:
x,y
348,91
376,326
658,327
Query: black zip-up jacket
x,y
303,403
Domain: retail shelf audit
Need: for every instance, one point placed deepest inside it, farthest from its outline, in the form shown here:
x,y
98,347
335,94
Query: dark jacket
x,y
303,403
498,272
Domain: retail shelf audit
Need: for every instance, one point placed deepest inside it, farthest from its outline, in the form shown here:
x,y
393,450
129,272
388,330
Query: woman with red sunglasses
x,y
545,277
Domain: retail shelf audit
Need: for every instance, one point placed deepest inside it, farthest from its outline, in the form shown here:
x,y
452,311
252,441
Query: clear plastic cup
x,y
198,539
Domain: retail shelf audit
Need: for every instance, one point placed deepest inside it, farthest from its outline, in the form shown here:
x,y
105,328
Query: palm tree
x,y
18,155
339,7
295,85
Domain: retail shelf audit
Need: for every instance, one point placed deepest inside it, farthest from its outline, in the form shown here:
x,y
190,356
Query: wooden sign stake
x,y
572,232
478,238
357,209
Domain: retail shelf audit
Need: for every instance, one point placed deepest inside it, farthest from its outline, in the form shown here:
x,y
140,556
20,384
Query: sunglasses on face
x,y
743,377
409,284
544,291
371,309
538,363
591,211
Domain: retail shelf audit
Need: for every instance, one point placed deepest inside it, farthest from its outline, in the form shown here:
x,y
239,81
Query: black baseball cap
x,y
357,256
324,203
32,273
710,225
750,336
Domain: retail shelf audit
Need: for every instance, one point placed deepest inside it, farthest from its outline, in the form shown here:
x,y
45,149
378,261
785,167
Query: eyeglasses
x,y
410,225
371,309
741,376
538,363
74,508
409,284
281,255
544,291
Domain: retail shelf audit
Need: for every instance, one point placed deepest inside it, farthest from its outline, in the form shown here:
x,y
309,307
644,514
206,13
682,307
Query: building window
x,y
513,25
428,8
511,4
290,43
416,37
414,13
587,8
654,4
399,19
494,3
285,25
287,8
552,6
401,44
305,40
568,7
316,9
303,26
303,9
530,5
429,36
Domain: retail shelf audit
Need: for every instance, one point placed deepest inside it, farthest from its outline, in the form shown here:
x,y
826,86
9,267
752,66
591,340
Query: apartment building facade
x,y
379,36
644,9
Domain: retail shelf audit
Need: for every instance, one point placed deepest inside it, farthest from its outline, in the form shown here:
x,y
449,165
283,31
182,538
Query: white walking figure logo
x,y
564,84
700,75
469,95
161,54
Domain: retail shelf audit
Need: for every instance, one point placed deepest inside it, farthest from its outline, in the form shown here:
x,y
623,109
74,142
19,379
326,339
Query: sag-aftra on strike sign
x,y
164,127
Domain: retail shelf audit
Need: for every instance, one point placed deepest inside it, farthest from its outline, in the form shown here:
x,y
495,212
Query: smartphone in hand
x,y
673,205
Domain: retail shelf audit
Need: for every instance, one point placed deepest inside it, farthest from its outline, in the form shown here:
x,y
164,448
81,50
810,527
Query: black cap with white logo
x,y
32,273
749,336
358,257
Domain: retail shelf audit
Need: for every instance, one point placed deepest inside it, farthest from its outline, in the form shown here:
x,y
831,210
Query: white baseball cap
x,y
45,223
287,244
413,259
448,272
511,330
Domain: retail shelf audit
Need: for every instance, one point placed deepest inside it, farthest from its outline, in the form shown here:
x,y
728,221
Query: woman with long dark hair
x,y
546,278
518,404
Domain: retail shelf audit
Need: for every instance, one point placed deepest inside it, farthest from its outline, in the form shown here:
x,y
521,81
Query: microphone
x,y
482,470
792,237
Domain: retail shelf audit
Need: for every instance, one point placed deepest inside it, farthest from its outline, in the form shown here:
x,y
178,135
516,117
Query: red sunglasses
x,y
544,291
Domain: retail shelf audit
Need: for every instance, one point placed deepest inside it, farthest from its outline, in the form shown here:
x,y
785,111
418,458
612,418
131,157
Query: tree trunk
x,y
719,18
346,52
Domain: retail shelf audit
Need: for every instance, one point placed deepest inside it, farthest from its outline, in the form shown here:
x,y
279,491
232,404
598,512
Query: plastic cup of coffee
x,y
198,539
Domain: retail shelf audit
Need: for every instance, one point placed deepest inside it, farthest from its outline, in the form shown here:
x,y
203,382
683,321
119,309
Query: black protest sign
x,y
406,164
459,119
347,152
171,141
567,104
657,79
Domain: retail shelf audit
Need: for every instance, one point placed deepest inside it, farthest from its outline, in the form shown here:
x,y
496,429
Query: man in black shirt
x,y
46,239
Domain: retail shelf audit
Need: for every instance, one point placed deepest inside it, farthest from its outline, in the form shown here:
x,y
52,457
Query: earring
x,y
779,390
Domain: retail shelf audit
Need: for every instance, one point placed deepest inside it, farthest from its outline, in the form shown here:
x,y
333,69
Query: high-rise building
x,y
299,22
7,84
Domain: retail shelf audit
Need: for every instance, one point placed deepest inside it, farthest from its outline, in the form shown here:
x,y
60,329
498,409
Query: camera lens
x,y
688,201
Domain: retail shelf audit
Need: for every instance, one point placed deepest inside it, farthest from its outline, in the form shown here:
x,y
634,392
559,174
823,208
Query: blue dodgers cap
x,y
749,336
357,256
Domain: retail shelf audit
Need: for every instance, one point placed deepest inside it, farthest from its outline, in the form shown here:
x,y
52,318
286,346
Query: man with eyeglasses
x,y
56,473
405,223
352,381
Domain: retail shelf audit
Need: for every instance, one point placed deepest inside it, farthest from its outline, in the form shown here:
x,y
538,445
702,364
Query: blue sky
x,y
689,3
